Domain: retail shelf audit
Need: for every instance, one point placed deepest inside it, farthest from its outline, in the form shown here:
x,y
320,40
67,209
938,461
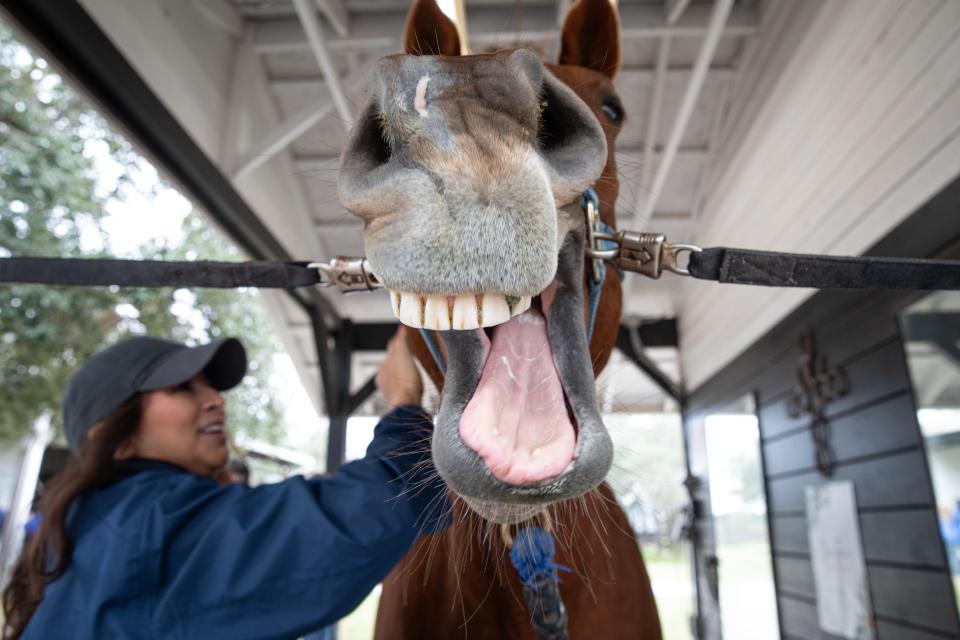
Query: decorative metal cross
x,y
816,386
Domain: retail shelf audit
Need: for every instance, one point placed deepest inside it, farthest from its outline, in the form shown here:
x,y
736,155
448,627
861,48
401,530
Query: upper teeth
x,y
442,313
213,428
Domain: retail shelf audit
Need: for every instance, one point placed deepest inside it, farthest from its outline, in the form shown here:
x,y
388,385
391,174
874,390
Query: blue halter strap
x,y
595,282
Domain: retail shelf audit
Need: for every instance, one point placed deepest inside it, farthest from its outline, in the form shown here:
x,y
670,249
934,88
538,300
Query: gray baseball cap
x,y
114,375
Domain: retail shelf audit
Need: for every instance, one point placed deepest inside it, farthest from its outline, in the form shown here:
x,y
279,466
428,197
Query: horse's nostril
x,y
555,126
371,141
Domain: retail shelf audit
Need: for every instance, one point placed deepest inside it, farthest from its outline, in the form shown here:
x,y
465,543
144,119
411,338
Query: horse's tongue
x,y
517,419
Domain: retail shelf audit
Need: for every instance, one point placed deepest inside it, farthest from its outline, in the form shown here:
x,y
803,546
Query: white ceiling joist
x,y
718,18
221,15
303,83
562,7
280,137
489,26
241,93
675,9
653,120
336,14
314,32
303,214
296,125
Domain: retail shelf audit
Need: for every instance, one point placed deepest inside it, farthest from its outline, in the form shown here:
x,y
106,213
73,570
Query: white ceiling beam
x,y
562,7
653,118
241,95
304,213
383,30
675,9
314,32
220,14
718,18
463,30
284,134
336,14
626,75
713,142
280,137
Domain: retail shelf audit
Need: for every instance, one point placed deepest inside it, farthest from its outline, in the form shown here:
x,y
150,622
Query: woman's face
x,y
185,425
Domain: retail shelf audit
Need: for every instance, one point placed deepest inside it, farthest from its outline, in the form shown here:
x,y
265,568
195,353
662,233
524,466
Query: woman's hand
x,y
398,378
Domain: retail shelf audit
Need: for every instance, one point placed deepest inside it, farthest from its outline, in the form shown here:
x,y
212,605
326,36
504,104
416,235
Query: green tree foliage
x,y
54,203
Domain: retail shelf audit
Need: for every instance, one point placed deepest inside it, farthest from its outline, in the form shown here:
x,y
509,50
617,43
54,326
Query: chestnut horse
x,y
468,173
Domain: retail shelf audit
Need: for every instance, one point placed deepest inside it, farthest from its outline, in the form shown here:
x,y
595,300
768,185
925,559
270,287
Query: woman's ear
x,y
127,450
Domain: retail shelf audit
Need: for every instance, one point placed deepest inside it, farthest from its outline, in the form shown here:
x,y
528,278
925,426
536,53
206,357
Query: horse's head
x,y
468,173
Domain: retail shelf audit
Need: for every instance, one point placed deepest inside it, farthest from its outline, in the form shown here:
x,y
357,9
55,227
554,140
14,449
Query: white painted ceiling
x,y
806,109
297,84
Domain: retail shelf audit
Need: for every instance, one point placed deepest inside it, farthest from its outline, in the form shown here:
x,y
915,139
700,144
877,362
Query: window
x,y
931,333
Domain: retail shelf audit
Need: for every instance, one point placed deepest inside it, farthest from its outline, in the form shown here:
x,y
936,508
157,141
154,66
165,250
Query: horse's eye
x,y
612,109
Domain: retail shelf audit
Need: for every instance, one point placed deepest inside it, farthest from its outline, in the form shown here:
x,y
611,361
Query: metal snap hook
x,y
670,253
347,274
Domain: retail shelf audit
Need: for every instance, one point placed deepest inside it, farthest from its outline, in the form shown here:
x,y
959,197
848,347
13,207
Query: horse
x,y
468,173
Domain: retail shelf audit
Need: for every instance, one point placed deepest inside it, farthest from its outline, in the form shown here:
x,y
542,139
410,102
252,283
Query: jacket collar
x,y
139,465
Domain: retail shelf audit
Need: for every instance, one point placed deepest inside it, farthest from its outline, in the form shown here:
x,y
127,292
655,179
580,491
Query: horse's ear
x,y
591,37
430,32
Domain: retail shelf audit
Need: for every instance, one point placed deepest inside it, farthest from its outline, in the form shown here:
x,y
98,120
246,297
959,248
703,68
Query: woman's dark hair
x,y
46,555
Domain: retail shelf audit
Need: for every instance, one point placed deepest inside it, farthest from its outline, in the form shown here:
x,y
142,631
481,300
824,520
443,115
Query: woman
x,y
139,541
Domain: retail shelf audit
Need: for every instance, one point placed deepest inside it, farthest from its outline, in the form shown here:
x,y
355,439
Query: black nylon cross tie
x,y
771,269
153,273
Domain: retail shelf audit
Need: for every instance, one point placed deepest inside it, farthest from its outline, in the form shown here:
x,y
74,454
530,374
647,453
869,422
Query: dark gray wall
x,y
875,439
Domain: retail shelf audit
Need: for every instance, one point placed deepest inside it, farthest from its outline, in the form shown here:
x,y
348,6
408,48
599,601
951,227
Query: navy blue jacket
x,y
165,553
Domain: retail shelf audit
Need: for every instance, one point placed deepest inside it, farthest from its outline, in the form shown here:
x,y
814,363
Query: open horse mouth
x,y
518,426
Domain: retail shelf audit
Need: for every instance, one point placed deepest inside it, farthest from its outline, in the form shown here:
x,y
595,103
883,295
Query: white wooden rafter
x,y
287,131
718,18
563,6
241,93
675,9
336,14
653,120
258,79
221,15
307,15
382,30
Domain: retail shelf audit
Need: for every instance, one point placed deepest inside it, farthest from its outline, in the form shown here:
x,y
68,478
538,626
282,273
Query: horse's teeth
x,y
395,303
470,311
522,305
436,314
465,313
494,309
411,310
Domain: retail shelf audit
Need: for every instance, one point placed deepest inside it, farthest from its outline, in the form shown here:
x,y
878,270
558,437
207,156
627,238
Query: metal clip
x,y
590,204
671,252
347,274
648,254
